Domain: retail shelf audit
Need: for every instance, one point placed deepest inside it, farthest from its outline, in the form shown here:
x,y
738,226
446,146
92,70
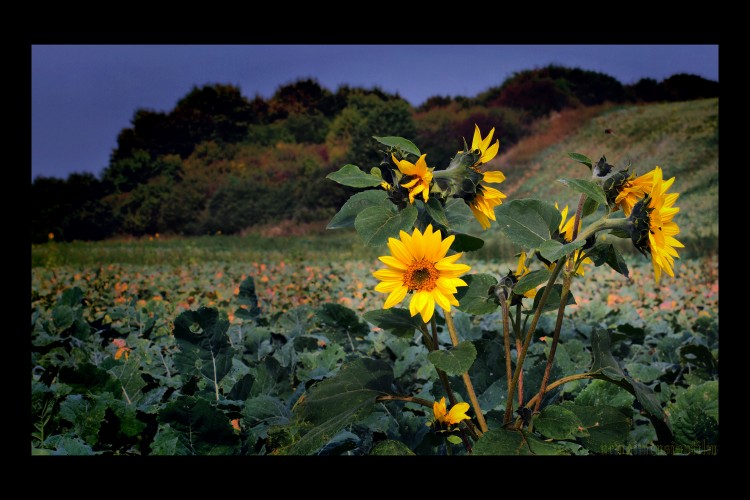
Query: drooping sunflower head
x,y
483,202
418,265
488,152
653,228
634,189
419,177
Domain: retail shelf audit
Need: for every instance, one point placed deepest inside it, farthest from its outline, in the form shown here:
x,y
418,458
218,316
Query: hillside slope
x,y
682,138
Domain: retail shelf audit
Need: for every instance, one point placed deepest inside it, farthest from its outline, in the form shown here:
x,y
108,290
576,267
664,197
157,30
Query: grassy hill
x,y
682,138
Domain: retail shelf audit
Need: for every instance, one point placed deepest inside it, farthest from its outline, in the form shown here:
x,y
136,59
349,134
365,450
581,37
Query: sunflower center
x,y
421,275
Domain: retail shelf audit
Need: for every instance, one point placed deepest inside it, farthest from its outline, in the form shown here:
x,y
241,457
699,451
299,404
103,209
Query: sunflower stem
x,y
556,336
433,326
467,380
602,224
506,338
527,340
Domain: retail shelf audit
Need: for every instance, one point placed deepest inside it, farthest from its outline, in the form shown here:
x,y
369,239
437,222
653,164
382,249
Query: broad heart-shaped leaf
x,y
606,365
351,175
202,429
204,345
354,205
391,447
557,422
248,300
339,401
378,223
531,280
455,360
436,211
512,442
396,320
466,243
476,298
404,145
528,223
607,426
591,190
606,253
459,215
581,159
553,301
695,415
553,249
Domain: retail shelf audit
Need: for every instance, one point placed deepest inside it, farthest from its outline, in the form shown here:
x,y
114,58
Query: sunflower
x,y
421,177
418,264
483,204
634,189
652,217
483,145
521,271
452,417
566,231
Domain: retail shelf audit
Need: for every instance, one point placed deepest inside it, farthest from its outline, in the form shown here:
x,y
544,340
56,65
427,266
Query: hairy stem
x,y
555,338
506,339
527,340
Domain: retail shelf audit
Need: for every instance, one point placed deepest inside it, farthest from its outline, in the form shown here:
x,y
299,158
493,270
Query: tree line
x,y
219,161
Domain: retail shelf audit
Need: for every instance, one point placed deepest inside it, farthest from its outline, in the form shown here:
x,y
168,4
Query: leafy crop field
x,y
117,366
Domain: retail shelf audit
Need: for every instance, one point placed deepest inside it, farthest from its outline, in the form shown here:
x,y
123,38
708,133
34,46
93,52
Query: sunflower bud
x,y
640,225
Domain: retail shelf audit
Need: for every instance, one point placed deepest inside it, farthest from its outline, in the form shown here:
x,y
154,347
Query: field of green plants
x,y
161,349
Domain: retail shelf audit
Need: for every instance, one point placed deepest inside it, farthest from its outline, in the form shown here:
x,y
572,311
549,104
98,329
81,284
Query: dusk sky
x,y
83,95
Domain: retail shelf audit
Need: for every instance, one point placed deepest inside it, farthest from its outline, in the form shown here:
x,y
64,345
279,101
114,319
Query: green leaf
x,y
436,211
63,317
376,224
606,365
248,298
201,428
581,159
553,249
71,297
204,345
589,207
531,281
590,189
338,322
404,145
604,362
167,443
354,205
339,401
608,427
396,320
350,175
85,415
528,223
476,298
459,215
453,439
454,360
68,445
466,243
553,301
695,415
558,422
506,442
391,448
606,253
